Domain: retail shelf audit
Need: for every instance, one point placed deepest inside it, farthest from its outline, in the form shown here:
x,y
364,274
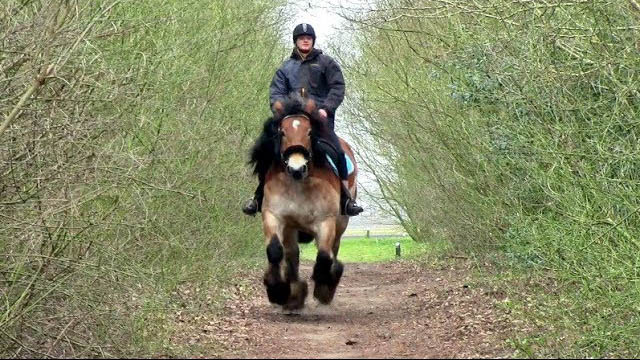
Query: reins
x,y
297,115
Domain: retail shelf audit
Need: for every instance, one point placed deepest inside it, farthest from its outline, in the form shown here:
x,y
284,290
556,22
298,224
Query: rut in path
x,y
380,310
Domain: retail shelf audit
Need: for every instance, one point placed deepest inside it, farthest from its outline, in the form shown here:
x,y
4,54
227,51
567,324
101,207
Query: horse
x,y
301,203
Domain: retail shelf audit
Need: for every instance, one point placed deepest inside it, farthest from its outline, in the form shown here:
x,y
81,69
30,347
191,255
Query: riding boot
x,y
349,207
251,207
254,204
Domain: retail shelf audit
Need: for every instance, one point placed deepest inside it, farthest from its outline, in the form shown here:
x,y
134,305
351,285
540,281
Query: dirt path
x,y
380,311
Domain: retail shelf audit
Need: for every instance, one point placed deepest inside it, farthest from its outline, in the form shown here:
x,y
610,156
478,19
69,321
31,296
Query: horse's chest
x,y
299,205
304,201
295,204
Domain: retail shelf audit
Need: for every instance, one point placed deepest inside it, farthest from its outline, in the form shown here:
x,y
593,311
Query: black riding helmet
x,y
304,29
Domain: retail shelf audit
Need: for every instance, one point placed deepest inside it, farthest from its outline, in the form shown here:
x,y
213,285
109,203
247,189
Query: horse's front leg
x,y
278,289
327,270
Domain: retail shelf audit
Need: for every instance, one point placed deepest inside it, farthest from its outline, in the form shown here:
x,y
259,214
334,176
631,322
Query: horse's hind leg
x,y
327,270
278,289
298,289
281,278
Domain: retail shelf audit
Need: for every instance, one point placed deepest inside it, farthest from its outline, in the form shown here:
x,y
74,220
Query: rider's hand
x,y
323,114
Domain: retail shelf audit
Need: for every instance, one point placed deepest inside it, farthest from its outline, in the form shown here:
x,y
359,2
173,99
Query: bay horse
x,y
301,202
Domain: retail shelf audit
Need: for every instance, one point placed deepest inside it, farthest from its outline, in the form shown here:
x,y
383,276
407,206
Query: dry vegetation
x,y
123,137
512,129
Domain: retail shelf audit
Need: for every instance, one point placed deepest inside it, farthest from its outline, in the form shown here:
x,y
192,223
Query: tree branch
x,y
37,83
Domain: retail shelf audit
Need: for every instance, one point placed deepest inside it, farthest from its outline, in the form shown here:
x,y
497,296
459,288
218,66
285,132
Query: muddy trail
x,y
383,310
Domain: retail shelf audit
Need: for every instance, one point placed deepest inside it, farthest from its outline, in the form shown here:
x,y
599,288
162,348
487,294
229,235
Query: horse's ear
x,y
310,106
278,108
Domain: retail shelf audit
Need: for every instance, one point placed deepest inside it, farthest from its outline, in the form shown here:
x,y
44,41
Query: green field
x,y
372,250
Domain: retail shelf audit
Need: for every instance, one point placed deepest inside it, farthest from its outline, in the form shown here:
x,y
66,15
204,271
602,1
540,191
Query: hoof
x,y
324,293
278,291
298,295
326,274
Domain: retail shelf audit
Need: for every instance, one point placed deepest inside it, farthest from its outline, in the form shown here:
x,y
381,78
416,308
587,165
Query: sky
x,y
323,20
323,16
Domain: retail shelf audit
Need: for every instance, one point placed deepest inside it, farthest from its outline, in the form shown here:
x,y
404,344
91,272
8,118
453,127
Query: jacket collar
x,y
312,55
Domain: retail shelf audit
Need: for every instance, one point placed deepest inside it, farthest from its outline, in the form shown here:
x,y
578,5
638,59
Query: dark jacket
x,y
319,74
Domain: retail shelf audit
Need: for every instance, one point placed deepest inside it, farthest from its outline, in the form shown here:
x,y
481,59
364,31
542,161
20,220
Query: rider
x,y
311,73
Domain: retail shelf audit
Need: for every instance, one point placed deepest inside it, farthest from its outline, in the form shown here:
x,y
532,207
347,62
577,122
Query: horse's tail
x,y
304,237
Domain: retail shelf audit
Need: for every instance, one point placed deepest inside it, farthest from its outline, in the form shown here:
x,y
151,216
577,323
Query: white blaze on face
x,y
296,161
295,124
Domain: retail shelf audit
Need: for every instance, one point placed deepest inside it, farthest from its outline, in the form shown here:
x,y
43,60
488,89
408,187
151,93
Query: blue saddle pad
x,y
349,164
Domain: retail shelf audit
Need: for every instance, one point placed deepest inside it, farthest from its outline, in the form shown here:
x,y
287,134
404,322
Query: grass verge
x,y
369,250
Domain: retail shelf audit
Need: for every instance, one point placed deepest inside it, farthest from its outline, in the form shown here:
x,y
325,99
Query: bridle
x,y
295,148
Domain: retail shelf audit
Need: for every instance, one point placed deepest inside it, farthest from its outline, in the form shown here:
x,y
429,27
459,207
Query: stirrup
x,y
251,207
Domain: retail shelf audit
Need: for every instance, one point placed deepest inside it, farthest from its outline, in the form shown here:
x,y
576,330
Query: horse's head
x,y
295,143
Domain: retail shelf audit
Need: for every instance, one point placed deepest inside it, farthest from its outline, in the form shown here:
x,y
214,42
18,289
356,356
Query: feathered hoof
x,y
278,291
326,274
298,295
324,293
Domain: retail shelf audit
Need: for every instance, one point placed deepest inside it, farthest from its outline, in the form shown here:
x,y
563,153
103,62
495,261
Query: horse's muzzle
x,y
296,161
298,174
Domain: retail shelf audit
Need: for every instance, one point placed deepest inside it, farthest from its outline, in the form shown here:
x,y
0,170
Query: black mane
x,y
266,150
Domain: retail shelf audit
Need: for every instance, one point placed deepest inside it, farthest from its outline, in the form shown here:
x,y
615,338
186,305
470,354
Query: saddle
x,y
331,155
